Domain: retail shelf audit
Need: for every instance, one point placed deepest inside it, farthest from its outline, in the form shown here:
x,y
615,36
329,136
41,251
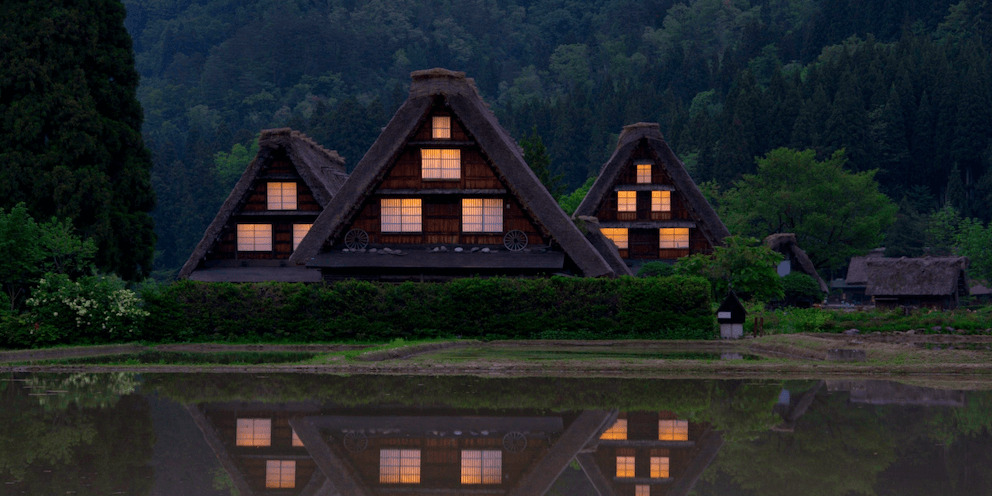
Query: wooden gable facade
x,y
444,192
646,203
269,211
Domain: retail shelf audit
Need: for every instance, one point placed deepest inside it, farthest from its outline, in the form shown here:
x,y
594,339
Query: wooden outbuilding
x,y
731,316
445,192
936,282
269,211
647,204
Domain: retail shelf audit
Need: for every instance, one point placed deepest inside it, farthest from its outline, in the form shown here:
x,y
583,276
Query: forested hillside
x,y
904,86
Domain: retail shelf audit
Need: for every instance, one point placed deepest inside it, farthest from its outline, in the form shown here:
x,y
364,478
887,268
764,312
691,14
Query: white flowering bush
x,y
92,309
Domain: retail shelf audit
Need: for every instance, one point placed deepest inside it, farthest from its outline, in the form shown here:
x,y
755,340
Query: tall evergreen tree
x,y
70,122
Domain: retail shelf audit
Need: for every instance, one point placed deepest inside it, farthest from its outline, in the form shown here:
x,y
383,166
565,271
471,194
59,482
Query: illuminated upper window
x,y
626,201
659,467
400,215
482,467
399,466
674,237
617,431
280,474
482,215
618,235
643,172
281,196
625,466
299,232
254,432
661,201
254,237
673,430
441,127
440,163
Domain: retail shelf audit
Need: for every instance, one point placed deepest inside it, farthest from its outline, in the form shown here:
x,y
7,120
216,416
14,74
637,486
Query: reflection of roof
x,y
930,276
894,393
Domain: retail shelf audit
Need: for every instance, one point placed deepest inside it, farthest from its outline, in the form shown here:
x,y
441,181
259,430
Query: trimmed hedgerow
x,y
498,308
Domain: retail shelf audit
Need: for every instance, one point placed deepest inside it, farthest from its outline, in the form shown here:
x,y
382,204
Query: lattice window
x,y
673,430
299,232
659,467
643,172
482,215
400,214
254,432
281,196
254,237
618,235
441,127
626,201
625,466
399,466
642,490
661,201
482,467
440,163
674,237
280,474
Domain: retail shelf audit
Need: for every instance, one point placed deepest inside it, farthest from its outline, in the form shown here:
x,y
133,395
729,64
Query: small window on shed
x,y
441,127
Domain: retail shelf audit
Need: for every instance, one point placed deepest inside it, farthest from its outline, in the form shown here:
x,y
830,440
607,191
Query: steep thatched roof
x,y
321,169
462,97
606,247
785,243
707,221
857,269
927,276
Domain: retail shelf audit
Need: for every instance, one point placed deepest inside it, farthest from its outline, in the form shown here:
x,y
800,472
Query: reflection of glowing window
x,y
661,201
400,215
618,235
674,237
254,237
626,201
618,431
659,467
440,163
299,232
642,490
482,215
644,173
625,466
482,467
673,430
281,196
297,443
441,127
254,432
280,474
399,466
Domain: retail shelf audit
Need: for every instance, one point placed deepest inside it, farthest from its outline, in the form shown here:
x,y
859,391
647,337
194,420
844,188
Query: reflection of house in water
x,y
649,454
305,449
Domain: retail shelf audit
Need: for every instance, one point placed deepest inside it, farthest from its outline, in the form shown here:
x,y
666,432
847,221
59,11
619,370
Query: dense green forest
x,y
903,86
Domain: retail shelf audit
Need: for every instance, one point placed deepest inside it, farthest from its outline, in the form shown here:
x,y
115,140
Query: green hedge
x,y
556,308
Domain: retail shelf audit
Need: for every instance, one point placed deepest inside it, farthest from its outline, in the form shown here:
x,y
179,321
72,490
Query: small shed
x,y
730,316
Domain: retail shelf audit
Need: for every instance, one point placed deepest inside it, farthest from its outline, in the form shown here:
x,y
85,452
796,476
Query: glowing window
x,y
642,490
674,237
618,235
297,442
440,163
400,215
626,201
482,215
254,237
280,474
673,430
254,432
659,467
441,127
482,467
625,466
661,201
618,431
281,196
644,173
399,466
299,232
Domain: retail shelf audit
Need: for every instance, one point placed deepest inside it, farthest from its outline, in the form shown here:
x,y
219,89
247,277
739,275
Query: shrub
x,y
801,290
656,269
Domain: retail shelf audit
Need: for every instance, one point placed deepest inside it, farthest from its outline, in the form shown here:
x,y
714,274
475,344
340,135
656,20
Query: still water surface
x,y
215,434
